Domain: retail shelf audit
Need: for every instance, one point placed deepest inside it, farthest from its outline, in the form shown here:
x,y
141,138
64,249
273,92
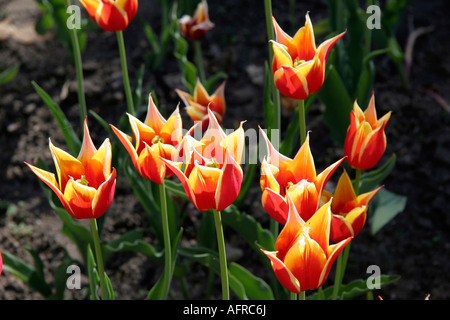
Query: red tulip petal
x,y
282,273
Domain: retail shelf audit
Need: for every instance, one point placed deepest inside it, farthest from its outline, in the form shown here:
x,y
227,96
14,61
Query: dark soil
x,y
414,245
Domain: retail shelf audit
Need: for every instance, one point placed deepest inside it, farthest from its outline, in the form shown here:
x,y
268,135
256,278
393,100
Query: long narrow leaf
x,y
66,128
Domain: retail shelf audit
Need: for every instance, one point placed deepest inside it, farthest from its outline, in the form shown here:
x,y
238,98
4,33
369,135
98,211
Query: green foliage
x,y
54,16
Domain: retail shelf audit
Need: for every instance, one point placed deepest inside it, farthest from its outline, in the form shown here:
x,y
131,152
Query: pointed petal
x,y
126,141
80,199
176,169
153,119
290,231
302,166
98,168
87,147
326,174
282,273
229,184
50,180
291,83
333,253
319,225
66,166
268,177
172,130
340,229
104,196
275,205
305,197
305,259
204,181
281,56
306,43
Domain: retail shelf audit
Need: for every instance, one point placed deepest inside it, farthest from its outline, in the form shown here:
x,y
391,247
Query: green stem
x,y
337,277
302,120
222,256
342,259
126,80
302,296
274,227
79,71
340,271
167,244
199,61
275,92
356,183
98,253
294,296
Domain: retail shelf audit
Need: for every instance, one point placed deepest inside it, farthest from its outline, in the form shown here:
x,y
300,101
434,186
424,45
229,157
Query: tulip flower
x,y
298,66
297,177
212,176
155,138
365,141
85,185
195,27
303,256
349,210
197,104
111,15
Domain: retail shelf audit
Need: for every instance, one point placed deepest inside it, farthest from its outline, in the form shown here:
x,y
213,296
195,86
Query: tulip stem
x,y
98,253
302,120
79,71
167,245
199,61
222,255
275,92
126,80
340,271
357,181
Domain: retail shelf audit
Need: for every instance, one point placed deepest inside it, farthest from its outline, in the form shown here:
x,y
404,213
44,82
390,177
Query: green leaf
x,y
8,74
156,291
176,188
60,278
384,207
251,230
268,104
338,105
94,281
353,289
210,259
255,288
131,241
66,128
30,276
372,179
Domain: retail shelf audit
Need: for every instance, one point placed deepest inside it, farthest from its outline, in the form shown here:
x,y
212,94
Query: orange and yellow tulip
x,y
85,185
195,27
155,138
303,256
197,104
349,210
212,176
365,141
111,15
298,66
297,177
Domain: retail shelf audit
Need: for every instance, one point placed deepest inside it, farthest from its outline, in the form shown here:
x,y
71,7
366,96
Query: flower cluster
x,y
317,224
